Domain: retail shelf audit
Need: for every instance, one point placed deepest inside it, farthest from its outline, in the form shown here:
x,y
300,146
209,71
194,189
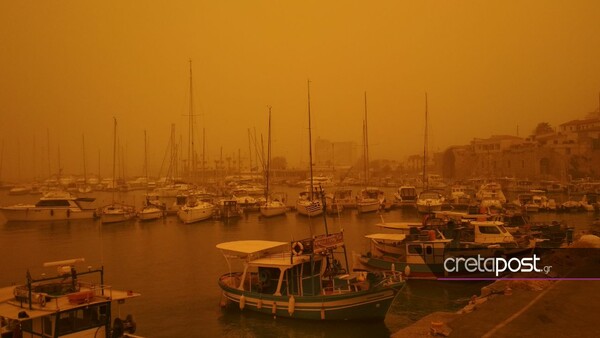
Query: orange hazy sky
x,y
489,67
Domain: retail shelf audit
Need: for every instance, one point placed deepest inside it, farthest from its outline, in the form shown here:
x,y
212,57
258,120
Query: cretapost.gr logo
x,y
497,265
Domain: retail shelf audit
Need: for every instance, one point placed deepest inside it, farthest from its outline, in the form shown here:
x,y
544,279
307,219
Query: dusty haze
x,y
489,67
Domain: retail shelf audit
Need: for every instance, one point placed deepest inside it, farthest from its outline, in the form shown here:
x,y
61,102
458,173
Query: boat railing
x,y
84,293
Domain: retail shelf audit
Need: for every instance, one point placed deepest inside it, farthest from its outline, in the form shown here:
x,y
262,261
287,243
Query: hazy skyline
x,y
68,67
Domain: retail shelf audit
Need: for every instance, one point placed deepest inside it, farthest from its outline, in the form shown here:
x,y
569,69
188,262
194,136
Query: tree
x,y
543,128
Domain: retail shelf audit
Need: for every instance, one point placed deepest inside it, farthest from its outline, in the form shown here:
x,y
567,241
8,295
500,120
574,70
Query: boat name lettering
x,y
329,241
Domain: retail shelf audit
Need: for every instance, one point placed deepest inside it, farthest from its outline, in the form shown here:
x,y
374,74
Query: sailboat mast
x,y
48,141
191,164
425,180
146,156
310,164
114,186
1,160
268,158
366,144
84,168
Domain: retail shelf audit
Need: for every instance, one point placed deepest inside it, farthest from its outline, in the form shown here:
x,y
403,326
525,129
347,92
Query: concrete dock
x,y
566,308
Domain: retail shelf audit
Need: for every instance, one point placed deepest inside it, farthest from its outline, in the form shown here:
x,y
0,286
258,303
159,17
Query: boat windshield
x,y
52,203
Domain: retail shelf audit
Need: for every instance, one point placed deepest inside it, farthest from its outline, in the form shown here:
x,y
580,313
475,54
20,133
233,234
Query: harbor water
x,y
175,267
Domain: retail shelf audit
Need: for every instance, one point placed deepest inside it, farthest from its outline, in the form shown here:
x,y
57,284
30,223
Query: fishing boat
x,y
420,251
65,305
307,204
53,206
271,207
305,279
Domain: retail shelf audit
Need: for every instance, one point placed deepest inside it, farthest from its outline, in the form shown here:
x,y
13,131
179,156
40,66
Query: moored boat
x,y
195,210
53,206
116,212
303,280
150,212
65,305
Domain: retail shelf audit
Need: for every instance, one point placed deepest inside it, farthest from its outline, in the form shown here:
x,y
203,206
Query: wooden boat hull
x,y
362,305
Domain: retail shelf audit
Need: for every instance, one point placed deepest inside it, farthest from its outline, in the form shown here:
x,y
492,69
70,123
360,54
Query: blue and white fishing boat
x,y
303,280
306,279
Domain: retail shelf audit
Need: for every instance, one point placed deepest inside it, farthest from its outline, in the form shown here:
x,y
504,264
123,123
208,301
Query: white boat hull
x,y
273,210
428,208
367,206
117,214
304,208
194,214
33,214
145,215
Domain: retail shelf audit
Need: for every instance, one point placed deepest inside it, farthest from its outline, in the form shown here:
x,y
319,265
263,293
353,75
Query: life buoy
x,y
298,248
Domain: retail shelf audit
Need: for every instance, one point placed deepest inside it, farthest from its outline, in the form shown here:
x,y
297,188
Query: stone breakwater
x,y
502,307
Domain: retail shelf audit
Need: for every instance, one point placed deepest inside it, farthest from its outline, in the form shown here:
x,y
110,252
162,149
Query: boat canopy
x,y
250,247
387,237
400,225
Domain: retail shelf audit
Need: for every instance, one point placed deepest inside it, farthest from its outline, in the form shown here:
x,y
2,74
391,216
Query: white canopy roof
x,y
387,237
400,225
250,246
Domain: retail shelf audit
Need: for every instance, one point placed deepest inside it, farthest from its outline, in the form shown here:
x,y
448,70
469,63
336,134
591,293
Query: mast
x,y
425,180
48,138
203,155
84,168
268,158
366,135
191,158
250,150
114,159
1,160
310,164
146,157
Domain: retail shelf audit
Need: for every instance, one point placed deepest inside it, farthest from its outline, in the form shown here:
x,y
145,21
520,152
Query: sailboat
x,y
306,204
272,207
85,187
195,209
116,212
150,211
428,200
370,199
